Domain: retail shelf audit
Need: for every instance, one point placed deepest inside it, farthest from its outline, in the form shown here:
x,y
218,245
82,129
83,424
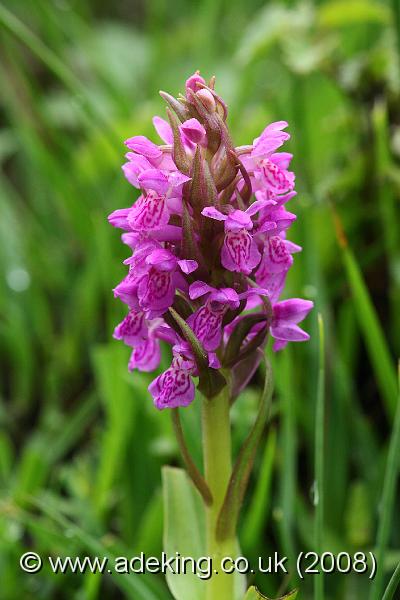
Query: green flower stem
x,y
218,468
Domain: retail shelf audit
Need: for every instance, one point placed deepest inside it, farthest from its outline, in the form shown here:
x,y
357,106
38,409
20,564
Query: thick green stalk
x,y
218,468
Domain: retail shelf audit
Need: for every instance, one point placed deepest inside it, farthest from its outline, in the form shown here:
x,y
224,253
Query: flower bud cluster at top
x,y
209,248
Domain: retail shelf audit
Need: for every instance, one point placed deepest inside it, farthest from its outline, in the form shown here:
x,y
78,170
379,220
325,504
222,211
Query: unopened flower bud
x,y
193,81
207,99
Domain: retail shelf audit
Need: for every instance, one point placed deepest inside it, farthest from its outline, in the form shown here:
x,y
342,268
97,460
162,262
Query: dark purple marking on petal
x,y
278,179
149,212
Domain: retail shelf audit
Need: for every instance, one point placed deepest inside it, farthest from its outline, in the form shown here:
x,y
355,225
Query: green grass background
x,y
81,446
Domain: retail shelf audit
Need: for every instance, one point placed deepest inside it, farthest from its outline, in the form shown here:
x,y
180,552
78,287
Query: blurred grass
x,y
81,446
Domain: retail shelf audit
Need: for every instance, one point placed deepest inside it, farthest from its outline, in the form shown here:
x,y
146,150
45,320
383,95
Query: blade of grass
x,y
393,585
369,324
319,461
387,503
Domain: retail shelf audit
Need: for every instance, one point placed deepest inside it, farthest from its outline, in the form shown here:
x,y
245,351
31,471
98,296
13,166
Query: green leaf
x,y
254,594
184,531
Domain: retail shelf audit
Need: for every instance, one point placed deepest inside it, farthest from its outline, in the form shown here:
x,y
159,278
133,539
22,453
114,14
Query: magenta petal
x,y
132,329
276,257
154,179
175,206
271,138
277,179
149,212
225,296
136,164
256,206
284,198
273,282
253,292
177,179
163,259
239,252
279,345
266,145
131,173
267,226
213,213
145,356
282,159
188,266
191,83
213,361
119,218
169,233
141,145
156,292
289,332
126,291
131,239
207,325
292,247
293,310
237,220
276,126
163,129
199,288
172,388
193,131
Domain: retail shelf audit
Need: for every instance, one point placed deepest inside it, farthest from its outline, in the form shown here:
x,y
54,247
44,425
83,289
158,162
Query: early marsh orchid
x,y
208,235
